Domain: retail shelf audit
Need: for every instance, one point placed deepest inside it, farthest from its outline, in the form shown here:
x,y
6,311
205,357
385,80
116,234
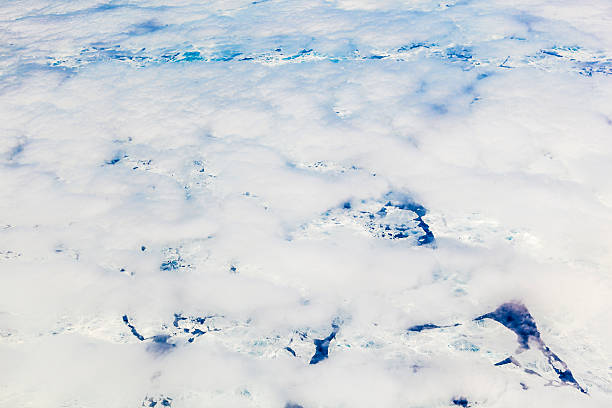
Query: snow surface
x,y
325,203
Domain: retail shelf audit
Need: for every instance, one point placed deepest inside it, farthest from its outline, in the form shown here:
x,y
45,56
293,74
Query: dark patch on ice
x,y
139,336
177,318
459,53
161,344
415,46
517,318
398,218
189,56
322,345
293,405
186,53
116,159
551,52
289,349
428,238
299,54
460,401
429,326
190,327
195,326
174,261
170,265
503,64
508,360
402,231
151,402
421,327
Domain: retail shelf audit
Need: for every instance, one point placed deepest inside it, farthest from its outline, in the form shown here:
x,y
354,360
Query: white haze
x,y
222,139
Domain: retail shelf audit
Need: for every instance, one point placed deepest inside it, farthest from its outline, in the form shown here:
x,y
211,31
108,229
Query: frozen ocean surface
x,y
306,204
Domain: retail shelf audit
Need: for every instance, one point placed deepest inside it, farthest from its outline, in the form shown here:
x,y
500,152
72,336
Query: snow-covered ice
x,y
325,203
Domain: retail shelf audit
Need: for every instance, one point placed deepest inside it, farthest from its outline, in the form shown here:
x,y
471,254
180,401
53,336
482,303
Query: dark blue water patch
x,y
377,57
503,64
174,261
139,336
595,67
416,45
143,248
293,405
160,344
551,52
116,159
171,56
459,53
152,402
201,320
322,346
290,350
421,327
346,205
428,236
429,326
524,386
193,325
190,56
299,54
408,205
505,361
517,318
564,373
177,318
170,265
567,376
460,401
